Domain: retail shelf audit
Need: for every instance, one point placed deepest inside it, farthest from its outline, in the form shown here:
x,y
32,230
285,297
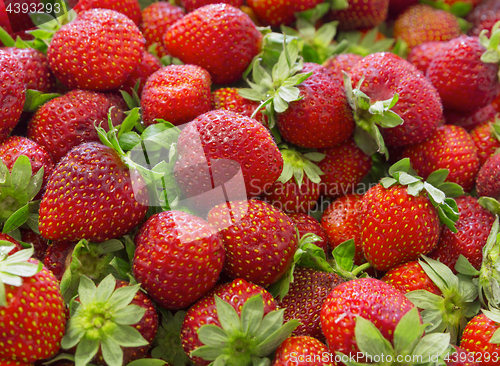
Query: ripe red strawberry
x,y
90,196
215,29
467,90
229,142
278,12
37,73
307,224
147,67
386,73
361,297
422,23
58,257
7,362
236,293
305,298
485,140
130,8
361,14
422,55
176,93
323,117
487,182
12,92
340,221
260,242
229,99
449,147
484,16
69,120
39,243
476,339
191,5
471,119
302,351
164,263
461,358
10,239
473,225
106,35
343,62
156,19
32,312
344,166
409,277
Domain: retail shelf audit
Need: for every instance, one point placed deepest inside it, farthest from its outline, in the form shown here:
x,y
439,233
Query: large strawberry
x,y
90,195
176,93
113,47
215,29
480,338
131,8
361,14
32,311
163,260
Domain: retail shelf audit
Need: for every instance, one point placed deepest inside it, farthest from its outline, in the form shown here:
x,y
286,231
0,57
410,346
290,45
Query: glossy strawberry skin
x,y
164,263
215,29
37,73
204,311
476,337
90,196
308,224
291,198
277,12
302,351
473,225
487,181
176,93
260,243
12,92
306,296
361,14
130,8
147,67
386,74
340,221
474,83
69,120
370,298
410,277
343,62
156,19
471,119
396,227
422,55
486,144
35,314
229,99
80,51
449,147
323,118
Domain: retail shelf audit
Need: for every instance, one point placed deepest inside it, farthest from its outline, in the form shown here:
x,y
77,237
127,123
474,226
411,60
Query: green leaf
x,y
252,313
213,336
288,93
85,350
490,204
432,344
437,195
280,105
465,267
132,314
369,339
35,99
387,182
495,338
276,338
111,352
21,172
424,299
147,362
74,333
344,255
207,353
122,296
437,177
17,219
251,94
228,317
270,324
450,189
86,290
402,165
408,332
128,336
105,289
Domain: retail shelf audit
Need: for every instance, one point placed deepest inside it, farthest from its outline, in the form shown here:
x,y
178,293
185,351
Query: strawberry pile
x,y
250,183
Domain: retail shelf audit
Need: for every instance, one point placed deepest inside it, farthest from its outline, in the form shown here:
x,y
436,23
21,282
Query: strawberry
x,y
92,185
308,290
37,73
487,183
361,297
38,242
69,120
247,240
106,34
176,93
344,166
473,227
396,7
7,362
12,91
147,67
307,224
466,91
278,12
302,351
236,299
156,19
343,62
461,358
422,23
172,279
361,14
191,5
215,29
484,17
449,147
485,139
229,99
422,54
479,338
130,8
10,240
340,221
31,308
312,122
471,119
409,277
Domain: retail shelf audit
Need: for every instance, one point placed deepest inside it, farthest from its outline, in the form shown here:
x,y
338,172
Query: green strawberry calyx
x,y
410,346
343,261
275,87
459,8
439,192
296,164
102,318
490,204
14,267
369,116
449,312
243,340
492,45
18,188
365,44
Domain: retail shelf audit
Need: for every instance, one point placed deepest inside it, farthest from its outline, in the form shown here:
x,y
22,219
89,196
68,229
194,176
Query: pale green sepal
x,y
228,317
369,339
251,314
111,352
213,336
129,315
127,336
122,296
85,351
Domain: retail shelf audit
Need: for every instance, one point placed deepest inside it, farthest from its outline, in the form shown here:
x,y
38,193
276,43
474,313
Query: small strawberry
x,y
215,29
105,35
480,338
483,17
229,99
422,54
176,93
130,8
449,147
409,277
279,12
307,224
485,139
361,14
163,260
302,351
147,67
487,183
